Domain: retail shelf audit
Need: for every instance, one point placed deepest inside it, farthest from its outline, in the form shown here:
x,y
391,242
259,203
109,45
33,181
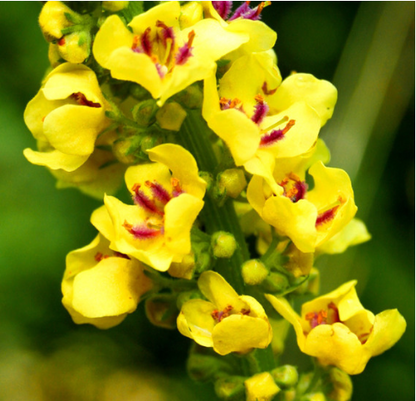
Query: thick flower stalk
x,y
231,198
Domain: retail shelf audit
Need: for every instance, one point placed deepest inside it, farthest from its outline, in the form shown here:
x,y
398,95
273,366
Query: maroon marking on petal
x,y
301,188
267,91
83,101
185,52
276,135
166,32
223,8
326,216
145,42
142,200
260,110
159,192
141,232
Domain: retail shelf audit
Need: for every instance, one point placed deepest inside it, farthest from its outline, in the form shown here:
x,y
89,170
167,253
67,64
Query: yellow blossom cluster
x,y
187,102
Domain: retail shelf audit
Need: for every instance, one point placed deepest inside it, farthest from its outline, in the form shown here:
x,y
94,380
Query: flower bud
x,y
184,269
144,113
275,283
191,97
186,296
124,149
288,395
171,116
312,285
223,244
115,6
191,13
285,376
148,142
254,272
203,367
299,263
341,385
230,388
52,19
313,397
161,310
75,47
232,182
261,387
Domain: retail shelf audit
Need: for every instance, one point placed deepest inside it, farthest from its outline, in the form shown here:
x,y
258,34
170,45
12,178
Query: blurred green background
x,y
367,50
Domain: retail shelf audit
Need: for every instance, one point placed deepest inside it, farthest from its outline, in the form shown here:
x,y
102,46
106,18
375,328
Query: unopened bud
x,y
232,182
115,6
171,116
288,395
184,269
52,19
285,376
161,310
223,244
125,148
341,385
261,387
185,296
204,368
144,113
275,283
191,97
75,47
299,263
254,272
312,285
313,397
191,13
230,388
149,142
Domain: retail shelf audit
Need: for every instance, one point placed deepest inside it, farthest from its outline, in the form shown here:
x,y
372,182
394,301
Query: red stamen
x,y
61,42
326,216
142,200
141,232
82,100
276,135
267,91
158,192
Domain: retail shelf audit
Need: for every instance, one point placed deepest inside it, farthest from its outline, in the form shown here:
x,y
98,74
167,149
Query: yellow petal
x,y
101,220
196,322
388,328
283,307
112,35
55,159
183,167
218,291
73,129
180,214
354,233
336,345
110,288
240,333
321,95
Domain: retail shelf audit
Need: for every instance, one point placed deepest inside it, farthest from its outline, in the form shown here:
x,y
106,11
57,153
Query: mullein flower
x,y
282,199
243,19
337,330
101,286
156,230
66,116
255,117
226,322
159,55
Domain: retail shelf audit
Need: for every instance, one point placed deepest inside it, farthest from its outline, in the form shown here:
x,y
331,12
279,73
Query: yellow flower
x,y
227,322
244,19
159,55
66,117
52,19
308,218
250,114
156,230
336,329
101,286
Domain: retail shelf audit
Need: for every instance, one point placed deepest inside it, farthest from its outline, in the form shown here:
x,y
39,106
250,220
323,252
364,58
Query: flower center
x,y
276,134
160,45
328,316
220,315
83,101
293,187
244,11
153,202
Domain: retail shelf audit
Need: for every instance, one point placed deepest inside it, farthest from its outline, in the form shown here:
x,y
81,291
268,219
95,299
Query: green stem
x,y
194,136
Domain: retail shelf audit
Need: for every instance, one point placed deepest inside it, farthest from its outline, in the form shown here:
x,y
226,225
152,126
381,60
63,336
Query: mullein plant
x,y
184,100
